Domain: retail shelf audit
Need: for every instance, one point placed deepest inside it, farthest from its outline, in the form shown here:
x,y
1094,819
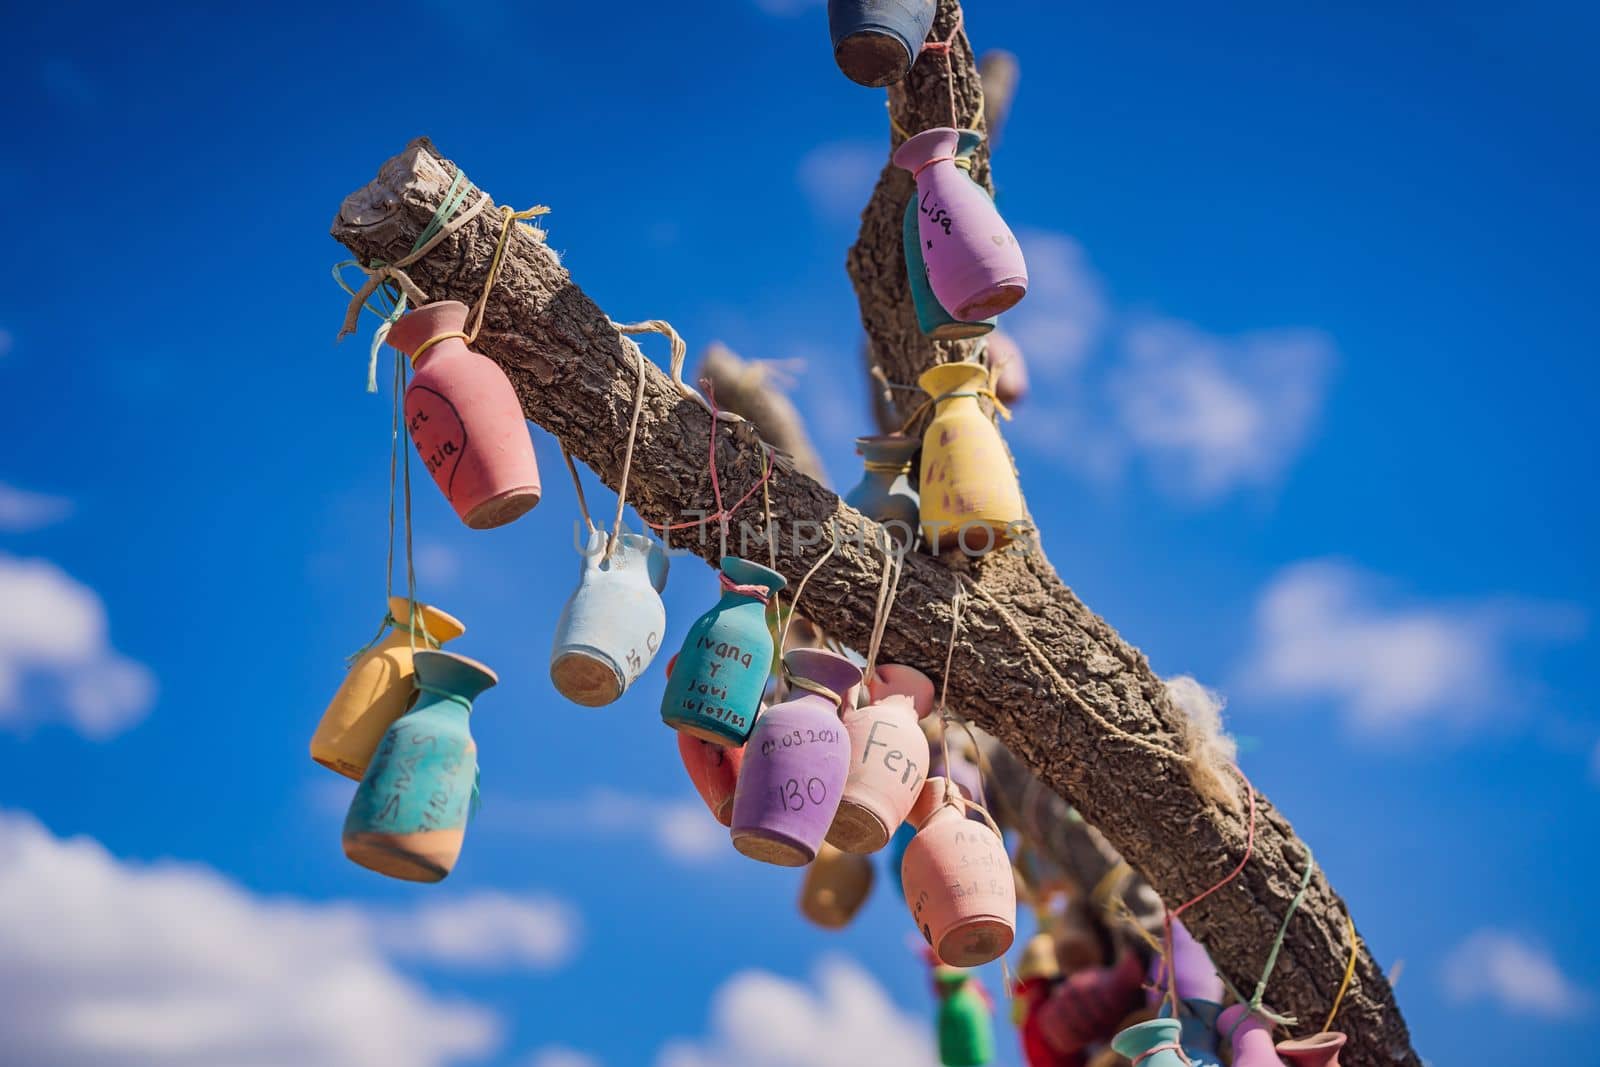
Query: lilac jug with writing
x,y
464,417
714,688
795,763
975,265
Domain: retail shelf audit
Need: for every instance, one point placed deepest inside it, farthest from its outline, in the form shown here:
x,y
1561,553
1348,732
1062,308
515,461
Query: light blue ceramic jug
x,y
409,814
876,41
1150,1044
612,625
1198,1027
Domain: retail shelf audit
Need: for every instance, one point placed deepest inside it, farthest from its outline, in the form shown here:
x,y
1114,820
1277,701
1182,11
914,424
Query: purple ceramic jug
x,y
974,263
796,763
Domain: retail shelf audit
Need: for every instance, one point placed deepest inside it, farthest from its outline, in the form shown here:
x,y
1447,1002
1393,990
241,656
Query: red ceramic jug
x,y
1085,1009
466,421
714,770
958,881
1318,1050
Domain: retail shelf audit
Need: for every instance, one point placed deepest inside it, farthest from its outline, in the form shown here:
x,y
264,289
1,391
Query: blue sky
x,y
1312,341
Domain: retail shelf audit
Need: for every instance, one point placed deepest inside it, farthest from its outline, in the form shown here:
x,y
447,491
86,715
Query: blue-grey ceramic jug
x,y
876,41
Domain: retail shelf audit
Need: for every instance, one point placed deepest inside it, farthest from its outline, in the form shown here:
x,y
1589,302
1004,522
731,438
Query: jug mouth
x,y
441,625
1141,1037
432,661
825,668
953,377
1327,1041
430,320
744,572
888,447
925,146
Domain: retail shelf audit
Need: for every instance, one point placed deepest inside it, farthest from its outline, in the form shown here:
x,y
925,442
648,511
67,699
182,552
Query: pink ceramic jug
x,y
1087,1006
714,770
974,263
891,678
888,762
1250,1035
464,416
795,763
958,882
1007,369
1318,1050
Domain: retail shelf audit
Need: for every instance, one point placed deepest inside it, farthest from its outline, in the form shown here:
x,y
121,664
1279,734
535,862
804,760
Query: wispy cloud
x,y
437,565
22,511
843,1019
485,931
787,8
1212,414
1065,315
837,177
681,830
54,630
125,964
1513,973
560,1056
1325,630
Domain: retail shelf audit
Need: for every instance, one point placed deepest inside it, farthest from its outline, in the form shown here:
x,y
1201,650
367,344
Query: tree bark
x,y
576,379
747,388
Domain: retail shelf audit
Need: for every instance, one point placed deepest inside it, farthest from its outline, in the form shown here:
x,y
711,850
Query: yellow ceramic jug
x,y
969,492
377,690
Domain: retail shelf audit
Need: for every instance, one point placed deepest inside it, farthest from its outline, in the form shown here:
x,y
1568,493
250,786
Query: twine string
x,y
894,557
797,681
653,326
794,604
943,47
577,485
955,394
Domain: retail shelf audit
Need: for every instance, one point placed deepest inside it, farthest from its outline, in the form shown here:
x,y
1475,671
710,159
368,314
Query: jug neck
x,y
955,381
440,626
448,676
424,330
743,580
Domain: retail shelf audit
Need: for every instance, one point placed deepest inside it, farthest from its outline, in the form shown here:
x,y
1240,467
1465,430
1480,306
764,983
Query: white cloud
x,y
1212,414
1064,315
22,511
486,930
681,830
560,1056
437,564
123,964
1518,976
837,178
1326,630
761,1020
54,628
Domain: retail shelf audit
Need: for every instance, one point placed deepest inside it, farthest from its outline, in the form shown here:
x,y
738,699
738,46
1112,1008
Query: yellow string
x,y
506,217
1349,973
430,342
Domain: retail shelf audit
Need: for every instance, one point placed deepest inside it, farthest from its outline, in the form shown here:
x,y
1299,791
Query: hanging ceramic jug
x,y
612,626
888,763
975,265
1150,1044
1086,1007
962,769
1197,1019
966,1021
968,489
889,679
1077,937
1250,1037
1037,975
876,41
465,418
1318,1050
932,319
410,812
714,690
835,887
884,493
714,770
1007,368
377,689
958,881
795,763
1196,975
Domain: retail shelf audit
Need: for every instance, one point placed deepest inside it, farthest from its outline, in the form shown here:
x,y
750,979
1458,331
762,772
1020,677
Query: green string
x,y
1254,1002
454,196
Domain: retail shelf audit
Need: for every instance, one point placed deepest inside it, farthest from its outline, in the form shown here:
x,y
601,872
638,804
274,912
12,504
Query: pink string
x,y
1170,1046
943,48
936,159
1249,847
722,514
754,592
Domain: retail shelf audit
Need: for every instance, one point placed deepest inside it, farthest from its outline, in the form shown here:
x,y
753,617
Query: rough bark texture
x,y
747,388
576,379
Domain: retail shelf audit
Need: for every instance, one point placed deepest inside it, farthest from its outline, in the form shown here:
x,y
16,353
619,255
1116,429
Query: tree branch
x,y
576,379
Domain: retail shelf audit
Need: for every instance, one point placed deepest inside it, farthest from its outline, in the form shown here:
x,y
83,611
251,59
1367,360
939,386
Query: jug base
x,y
974,536
1002,296
770,846
695,728
585,678
503,508
858,829
871,58
961,331
338,765
424,856
976,941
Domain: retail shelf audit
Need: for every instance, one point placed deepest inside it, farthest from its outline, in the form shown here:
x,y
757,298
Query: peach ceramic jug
x,y
958,882
888,763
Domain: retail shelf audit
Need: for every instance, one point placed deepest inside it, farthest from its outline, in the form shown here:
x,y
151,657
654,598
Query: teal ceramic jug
x,y
884,493
410,812
714,690
612,625
1150,1044
894,856
1198,1026
932,318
